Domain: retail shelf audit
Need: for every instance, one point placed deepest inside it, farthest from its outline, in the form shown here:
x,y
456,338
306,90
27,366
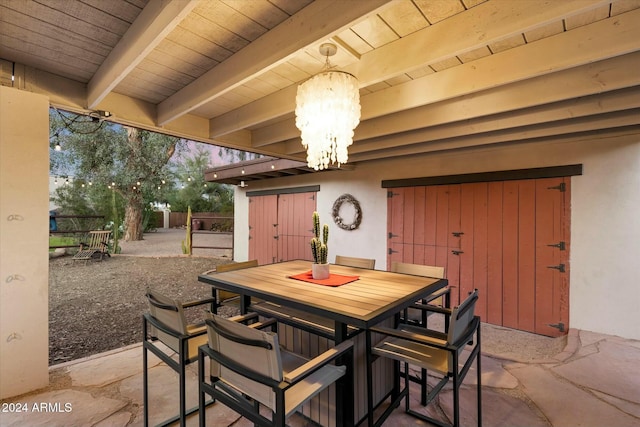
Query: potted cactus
x,y
320,266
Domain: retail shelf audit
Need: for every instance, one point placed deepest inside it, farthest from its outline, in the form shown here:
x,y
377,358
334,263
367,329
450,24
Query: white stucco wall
x,y
605,224
24,231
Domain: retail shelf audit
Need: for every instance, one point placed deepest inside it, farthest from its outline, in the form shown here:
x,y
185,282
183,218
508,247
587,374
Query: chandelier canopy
x,y
327,112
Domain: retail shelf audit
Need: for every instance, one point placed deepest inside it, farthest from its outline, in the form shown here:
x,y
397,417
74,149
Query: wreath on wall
x,y
335,212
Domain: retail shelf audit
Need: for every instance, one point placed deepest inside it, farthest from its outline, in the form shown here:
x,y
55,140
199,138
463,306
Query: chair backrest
x,y
170,313
224,295
236,266
355,262
418,269
461,317
247,359
97,239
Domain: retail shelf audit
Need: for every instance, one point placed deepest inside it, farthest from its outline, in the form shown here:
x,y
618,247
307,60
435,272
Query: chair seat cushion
x,y
298,394
414,353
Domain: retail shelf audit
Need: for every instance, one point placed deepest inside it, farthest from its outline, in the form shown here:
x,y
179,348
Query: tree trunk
x,y
133,220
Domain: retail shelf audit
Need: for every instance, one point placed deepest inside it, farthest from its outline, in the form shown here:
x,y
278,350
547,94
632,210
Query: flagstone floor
x,y
595,382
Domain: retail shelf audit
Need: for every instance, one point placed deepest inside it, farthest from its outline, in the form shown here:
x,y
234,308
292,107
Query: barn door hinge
x,y
391,235
559,267
558,326
561,245
455,252
275,225
457,233
390,194
562,187
276,237
313,197
391,251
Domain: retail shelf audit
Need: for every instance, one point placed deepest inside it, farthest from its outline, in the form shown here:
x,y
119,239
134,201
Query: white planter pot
x,y
320,271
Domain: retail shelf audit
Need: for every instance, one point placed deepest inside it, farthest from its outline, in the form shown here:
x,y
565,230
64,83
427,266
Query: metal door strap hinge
x,y
457,252
561,245
562,187
457,233
391,235
391,251
559,326
559,267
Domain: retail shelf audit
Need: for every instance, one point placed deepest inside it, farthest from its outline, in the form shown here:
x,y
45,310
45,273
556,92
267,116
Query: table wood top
x,y
375,296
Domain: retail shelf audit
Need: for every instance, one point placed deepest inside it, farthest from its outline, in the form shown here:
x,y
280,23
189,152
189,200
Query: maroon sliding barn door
x,y
263,222
280,226
295,226
509,239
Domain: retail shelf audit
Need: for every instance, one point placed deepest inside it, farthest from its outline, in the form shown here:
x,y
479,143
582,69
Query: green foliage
x,y
62,241
192,189
100,155
319,249
79,198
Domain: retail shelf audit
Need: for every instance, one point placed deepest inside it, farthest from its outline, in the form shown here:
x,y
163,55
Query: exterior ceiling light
x,y
327,112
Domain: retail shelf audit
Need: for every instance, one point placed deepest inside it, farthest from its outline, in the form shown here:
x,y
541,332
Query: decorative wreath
x,y
346,198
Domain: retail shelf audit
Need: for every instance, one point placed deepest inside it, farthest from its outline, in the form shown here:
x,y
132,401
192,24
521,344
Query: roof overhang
x,y
260,169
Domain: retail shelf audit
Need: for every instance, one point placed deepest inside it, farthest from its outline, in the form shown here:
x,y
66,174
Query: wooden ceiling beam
x,y
618,121
261,110
542,58
316,22
154,23
491,21
479,26
595,105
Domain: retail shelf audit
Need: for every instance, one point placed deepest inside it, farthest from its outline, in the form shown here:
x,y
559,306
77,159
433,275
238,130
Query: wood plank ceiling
x,y
434,74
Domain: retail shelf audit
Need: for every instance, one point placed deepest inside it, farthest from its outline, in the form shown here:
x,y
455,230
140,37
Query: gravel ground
x,y
98,306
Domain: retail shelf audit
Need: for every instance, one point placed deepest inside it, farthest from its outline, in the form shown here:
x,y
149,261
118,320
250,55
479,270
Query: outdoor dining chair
x,y
438,353
223,297
416,316
348,261
165,322
249,369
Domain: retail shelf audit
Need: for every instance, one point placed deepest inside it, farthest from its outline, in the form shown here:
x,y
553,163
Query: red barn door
x,y
509,239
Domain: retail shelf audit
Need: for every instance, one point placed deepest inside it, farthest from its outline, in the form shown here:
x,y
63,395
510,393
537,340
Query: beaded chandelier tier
x,y
327,112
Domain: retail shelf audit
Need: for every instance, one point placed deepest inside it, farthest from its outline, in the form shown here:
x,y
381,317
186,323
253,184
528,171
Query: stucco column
x,y
24,232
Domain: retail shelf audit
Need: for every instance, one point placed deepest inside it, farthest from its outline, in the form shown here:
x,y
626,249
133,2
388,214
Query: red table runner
x,y
333,280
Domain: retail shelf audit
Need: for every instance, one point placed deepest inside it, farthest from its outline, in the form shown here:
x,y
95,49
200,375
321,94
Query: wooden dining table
x,y
371,298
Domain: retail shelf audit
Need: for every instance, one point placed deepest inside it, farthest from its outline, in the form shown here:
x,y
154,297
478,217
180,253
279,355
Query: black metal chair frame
x,y
457,375
177,365
342,353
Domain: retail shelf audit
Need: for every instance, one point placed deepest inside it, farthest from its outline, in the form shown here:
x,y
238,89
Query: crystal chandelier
x,y
327,112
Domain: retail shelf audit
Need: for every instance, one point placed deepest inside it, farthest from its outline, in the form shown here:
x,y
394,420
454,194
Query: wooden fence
x,y
208,221
76,226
